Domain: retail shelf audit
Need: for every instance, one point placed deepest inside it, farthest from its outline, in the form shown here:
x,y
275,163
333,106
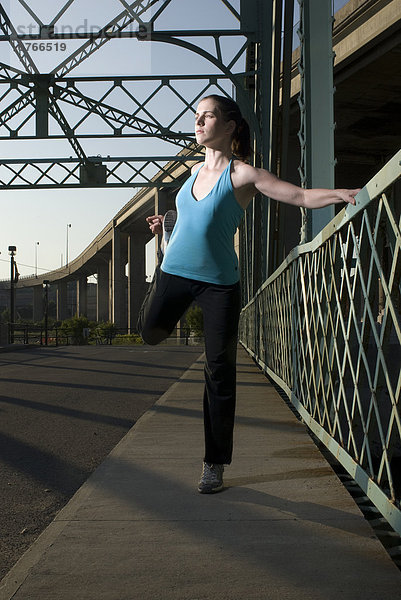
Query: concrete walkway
x,y
283,529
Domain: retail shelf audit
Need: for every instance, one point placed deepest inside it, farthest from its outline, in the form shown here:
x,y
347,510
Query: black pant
x,y
168,298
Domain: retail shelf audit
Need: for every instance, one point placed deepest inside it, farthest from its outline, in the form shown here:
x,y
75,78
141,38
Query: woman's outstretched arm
x,y
260,180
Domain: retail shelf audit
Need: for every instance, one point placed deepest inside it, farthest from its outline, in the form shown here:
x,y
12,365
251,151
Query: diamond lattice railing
x,y
326,326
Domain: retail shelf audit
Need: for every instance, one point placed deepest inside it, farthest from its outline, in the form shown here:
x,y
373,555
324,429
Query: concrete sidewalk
x,y
284,528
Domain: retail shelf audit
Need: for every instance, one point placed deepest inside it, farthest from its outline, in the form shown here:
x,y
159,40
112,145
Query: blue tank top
x,y
201,245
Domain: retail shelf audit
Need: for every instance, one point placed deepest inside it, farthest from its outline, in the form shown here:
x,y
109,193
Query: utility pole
x,y
66,262
12,251
46,283
36,258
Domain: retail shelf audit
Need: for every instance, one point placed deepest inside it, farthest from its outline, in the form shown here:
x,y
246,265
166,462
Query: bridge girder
x,y
58,106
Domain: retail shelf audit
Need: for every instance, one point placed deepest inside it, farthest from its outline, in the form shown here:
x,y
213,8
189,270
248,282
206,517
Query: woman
x,y
200,262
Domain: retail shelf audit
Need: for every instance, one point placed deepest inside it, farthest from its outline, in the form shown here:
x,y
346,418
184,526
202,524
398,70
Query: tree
x,y
105,330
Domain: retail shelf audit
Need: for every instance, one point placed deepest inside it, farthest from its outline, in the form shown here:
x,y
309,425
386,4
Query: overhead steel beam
x,y
93,171
108,32
18,47
80,114
117,122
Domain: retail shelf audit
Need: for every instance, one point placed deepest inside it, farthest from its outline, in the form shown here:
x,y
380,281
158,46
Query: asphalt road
x,y
62,410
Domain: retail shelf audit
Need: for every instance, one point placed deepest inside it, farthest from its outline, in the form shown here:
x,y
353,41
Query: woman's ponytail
x,y
241,142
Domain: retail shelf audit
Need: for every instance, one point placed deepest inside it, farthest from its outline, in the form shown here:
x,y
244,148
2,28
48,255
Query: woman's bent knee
x,y
153,336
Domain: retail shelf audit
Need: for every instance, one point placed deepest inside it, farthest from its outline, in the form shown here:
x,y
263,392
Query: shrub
x,y
194,320
75,328
5,316
127,340
105,330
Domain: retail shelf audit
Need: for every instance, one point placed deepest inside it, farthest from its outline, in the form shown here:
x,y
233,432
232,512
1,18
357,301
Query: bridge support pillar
x,y
37,303
118,282
82,297
110,290
102,296
136,277
62,301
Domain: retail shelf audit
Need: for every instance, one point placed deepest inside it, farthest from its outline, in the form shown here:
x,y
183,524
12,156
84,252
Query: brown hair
x,y
241,140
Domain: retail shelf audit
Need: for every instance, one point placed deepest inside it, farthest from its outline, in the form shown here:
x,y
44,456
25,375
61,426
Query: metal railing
x,y
325,326
29,334
33,335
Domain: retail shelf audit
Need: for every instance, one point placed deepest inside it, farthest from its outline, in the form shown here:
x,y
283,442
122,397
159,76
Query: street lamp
x,y
68,227
36,258
46,307
12,250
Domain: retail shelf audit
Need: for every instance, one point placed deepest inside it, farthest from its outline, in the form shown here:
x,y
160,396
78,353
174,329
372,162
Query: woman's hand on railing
x,y
318,198
347,195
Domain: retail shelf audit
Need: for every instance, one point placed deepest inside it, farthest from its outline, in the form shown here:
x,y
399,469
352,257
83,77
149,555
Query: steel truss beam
x,y
117,122
93,172
56,106
18,47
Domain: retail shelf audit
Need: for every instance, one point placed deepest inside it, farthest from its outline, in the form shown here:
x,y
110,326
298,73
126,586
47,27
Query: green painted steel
x,y
316,105
129,105
326,326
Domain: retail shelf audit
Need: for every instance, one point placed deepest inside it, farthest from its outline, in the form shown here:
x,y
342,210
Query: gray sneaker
x,y
211,480
169,220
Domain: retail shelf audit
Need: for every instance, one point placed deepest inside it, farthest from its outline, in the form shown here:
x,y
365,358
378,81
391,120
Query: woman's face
x,y
210,126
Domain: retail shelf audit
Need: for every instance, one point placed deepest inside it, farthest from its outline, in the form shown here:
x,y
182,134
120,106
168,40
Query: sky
x,y
31,216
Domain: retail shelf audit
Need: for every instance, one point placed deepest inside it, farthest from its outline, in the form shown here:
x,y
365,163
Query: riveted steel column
x,y
286,88
269,17
319,113
41,88
286,217
266,11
